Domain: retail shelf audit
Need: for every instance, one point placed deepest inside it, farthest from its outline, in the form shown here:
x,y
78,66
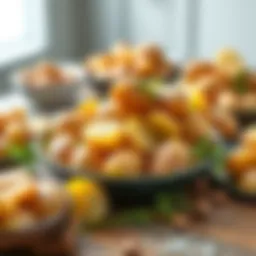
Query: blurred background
x,y
72,29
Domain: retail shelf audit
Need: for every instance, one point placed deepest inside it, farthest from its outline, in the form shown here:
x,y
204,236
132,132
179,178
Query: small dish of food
x,y
139,62
15,138
136,138
241,164
226,83
50,85
234,166
31,212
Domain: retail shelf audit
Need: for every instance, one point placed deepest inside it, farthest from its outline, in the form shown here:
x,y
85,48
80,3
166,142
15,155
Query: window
x,y
22,29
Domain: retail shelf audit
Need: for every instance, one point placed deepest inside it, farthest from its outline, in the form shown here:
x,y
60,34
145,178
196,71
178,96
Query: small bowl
x,y
53,96
221,178
34,237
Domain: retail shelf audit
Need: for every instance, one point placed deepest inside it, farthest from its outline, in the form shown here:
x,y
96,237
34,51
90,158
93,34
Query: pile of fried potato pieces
x,y
142,128
241,161
45,74
123,60
226,83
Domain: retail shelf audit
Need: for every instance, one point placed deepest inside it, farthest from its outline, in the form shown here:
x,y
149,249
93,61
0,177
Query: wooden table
x,y
231,230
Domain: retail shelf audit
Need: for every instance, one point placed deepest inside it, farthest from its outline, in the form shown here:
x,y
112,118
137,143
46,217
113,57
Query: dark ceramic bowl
x,y
246,118
225,182
56,96
143,186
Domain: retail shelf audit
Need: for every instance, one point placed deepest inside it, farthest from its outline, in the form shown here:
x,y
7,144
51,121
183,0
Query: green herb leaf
x,y
132,217
150,87
240,82
164,205
219,160
204,148
21,154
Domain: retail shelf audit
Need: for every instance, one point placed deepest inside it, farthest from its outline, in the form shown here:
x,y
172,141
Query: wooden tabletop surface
x,y
230,230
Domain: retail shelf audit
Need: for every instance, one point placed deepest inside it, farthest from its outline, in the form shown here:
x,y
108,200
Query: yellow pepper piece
x,y
104,134
89,107
229,61
163,124
198,101
90,202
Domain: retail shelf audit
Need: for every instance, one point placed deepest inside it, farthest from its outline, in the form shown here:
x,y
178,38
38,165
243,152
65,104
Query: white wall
x,y
164,22
101,24
227,23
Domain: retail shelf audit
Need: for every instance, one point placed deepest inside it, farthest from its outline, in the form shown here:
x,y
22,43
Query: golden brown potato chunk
x,y
150,53
85,158
170,157
81,157
137,135
196,127
17,133
248,102
125,163
249,138
109,110
60,148
176,103
211,87
163,124
240,160
105,135
197,70
225,124
123,54
130,99
70,124
228,101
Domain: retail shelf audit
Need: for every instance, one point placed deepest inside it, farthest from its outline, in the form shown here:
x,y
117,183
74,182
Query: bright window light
x,y
22,29
12,13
